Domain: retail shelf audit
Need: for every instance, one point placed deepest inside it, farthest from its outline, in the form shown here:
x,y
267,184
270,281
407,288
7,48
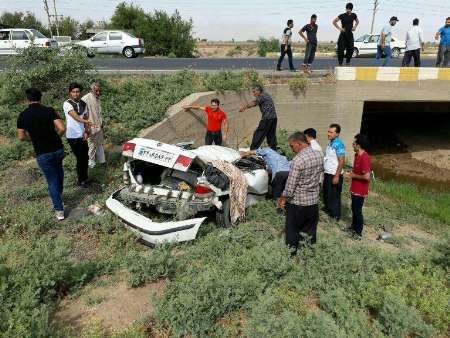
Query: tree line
x,y
164,34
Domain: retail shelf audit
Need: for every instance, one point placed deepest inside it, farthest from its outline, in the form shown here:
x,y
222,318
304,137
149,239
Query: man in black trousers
x,y
300,197
285,48
267,127
346,42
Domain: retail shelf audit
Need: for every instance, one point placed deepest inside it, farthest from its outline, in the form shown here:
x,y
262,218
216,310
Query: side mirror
x,y
92,39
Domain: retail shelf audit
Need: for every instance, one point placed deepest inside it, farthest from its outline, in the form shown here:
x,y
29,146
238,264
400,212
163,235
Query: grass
x,y
229,282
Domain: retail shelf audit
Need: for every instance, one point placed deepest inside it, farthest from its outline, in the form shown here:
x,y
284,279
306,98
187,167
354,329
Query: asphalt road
x,y
105,63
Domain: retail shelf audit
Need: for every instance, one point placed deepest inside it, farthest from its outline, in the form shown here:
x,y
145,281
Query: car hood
x,y
216,153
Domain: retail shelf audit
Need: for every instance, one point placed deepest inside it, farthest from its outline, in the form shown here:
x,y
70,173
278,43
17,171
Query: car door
x,y
99,42
115,42
370,45
5,42
20,39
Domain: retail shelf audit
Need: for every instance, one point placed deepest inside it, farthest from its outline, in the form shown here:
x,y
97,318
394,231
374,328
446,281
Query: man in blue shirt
x,y
278,165
444,46
384,44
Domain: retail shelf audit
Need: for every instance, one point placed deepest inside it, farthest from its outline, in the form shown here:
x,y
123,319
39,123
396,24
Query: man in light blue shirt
x,y
444,46
384,44
278,165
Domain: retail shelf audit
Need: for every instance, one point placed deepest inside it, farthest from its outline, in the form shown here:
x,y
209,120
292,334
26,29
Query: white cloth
x,y
238,189
74,129
95,111
414,38
316,146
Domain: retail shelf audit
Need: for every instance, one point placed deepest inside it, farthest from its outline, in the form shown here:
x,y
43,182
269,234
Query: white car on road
x,y
169,190
12,40
367,45
114,42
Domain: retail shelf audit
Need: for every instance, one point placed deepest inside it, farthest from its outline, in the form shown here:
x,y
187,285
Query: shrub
x,y
267,45
299,85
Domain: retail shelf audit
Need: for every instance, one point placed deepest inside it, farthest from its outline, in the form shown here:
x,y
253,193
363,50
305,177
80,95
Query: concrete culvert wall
x,y
323,103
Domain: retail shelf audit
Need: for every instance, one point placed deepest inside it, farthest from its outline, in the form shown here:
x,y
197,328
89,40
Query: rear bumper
x,y
139,50
153,232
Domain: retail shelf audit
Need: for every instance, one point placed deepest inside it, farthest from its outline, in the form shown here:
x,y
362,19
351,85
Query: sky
x,y
220,20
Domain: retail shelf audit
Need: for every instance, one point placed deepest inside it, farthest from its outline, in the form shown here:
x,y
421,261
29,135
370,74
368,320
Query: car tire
x,y
223,217
396,53
129,53
355,53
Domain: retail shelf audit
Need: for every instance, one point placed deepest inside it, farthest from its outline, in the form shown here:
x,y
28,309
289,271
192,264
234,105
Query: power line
x,y
376,7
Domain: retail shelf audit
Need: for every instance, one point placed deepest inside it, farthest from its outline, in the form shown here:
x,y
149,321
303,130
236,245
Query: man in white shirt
x,y
77,130
384,44
311,136
414,42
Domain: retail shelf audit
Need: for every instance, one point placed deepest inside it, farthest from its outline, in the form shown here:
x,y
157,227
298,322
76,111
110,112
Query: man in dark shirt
x,y
311,43
285,48
349,22
42,126
267,127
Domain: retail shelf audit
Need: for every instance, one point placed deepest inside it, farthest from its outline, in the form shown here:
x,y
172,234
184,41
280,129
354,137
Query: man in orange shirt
x,y
217,120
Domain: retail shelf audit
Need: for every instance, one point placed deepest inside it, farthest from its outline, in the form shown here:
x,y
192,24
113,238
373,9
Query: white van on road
x,y
14,39
115,42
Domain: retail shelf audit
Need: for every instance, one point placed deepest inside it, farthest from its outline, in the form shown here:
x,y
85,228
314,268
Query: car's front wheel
x,y
223,218
396,52
129,53
355,52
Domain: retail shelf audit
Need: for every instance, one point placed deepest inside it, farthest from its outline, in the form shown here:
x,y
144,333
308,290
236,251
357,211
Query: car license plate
x,y
155,156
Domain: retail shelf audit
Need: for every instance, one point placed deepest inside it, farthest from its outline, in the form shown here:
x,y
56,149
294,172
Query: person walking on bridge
x,y
346,42
414,42
444,46
286,40
384,44
267,127
311,43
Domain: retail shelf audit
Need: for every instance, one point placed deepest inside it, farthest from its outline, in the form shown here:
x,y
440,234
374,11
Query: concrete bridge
x,y
354,93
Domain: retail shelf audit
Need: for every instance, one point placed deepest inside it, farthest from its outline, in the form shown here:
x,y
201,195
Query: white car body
x,y
367,45
114,42
170,180
12,40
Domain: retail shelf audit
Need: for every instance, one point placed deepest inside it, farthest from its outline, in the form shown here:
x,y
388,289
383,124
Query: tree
x,y
22,20
163,34
69,27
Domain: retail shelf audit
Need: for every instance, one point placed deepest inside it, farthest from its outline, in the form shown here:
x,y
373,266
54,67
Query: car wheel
x,y
128,52
396,52
355,52
223,218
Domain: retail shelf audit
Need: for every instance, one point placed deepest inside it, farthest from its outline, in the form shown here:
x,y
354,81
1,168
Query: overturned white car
x,y
168,193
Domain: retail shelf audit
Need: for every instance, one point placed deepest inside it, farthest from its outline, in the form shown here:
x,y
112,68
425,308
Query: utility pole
x,y
376,7
48,17
56,17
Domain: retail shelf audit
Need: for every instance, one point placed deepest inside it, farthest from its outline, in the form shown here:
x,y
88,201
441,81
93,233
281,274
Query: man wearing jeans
x,y
332,180
384,44
444,46
300,198
286,46
360,176
311,43
77,132
42,126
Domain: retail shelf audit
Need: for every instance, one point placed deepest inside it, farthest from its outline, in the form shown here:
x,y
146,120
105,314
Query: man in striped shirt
x,y
300,198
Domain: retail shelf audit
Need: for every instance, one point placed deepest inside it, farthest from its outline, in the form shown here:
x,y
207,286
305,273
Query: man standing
x,y
360,176
301,195
414,42
77,132
286,40
267,127
95,140
346,42
311,43
444,46
384,44
333,165
278,165
42,126
217,120
311,136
